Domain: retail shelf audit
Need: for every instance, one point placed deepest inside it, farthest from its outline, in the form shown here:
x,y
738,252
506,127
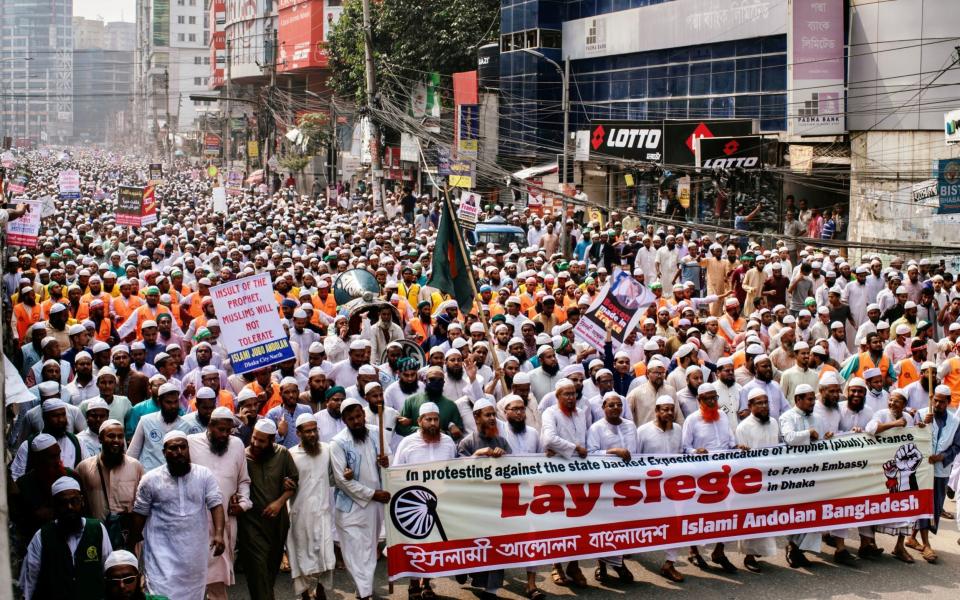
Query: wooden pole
x,y
473,287
930,384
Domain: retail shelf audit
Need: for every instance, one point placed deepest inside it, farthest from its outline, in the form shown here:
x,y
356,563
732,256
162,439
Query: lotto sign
x,y
481,514
250,323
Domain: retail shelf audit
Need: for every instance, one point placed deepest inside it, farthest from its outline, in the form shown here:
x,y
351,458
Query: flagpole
x,y
473,287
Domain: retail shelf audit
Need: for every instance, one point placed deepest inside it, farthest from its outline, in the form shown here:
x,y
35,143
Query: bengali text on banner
x,y
481,514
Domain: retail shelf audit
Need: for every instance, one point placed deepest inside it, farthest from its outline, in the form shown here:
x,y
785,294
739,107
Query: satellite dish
x,y
353,284
414,512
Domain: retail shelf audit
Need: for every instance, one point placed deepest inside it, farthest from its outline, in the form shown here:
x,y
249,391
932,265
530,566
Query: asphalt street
x,y
884,578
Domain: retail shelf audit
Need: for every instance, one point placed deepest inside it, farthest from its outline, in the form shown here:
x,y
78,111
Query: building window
x,y
197,60
206,60
181,37
198,81
180,2
193,20
193,37
193,2
180,19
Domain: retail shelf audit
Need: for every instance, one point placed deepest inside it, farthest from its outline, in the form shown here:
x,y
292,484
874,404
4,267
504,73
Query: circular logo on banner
x,y
413,511
212,171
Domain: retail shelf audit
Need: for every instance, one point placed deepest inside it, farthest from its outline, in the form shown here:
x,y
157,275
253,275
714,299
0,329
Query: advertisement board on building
x,y
631,140
211,144
816,79
468,130
300,35
673,25
744,152
951,126
948,186
678,137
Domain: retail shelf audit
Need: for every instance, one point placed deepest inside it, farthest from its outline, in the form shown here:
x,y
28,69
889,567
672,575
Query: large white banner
x,y
471,514
250,323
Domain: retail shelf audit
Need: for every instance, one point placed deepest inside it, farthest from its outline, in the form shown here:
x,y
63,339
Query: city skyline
x,y
109,10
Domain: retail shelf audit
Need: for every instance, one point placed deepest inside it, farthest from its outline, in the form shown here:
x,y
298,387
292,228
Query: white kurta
x,y
230,469
795,426
653,440
698,433
754,434
328,426
603,436
310,539
850,419
176,545
390,439
562,433
527,442
415,450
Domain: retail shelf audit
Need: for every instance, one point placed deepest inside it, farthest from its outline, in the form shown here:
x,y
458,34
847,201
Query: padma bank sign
x,y
478,514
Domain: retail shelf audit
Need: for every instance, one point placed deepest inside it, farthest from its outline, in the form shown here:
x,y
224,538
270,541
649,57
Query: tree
x,y
410,39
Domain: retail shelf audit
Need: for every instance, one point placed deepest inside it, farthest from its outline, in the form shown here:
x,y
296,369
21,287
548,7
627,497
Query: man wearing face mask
x,y
450,420
65,558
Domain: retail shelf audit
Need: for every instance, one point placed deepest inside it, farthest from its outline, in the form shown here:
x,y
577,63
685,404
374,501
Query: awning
x,y
535,171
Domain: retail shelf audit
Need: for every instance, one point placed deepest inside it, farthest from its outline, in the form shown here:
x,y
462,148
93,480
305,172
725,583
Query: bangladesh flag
x,y
451,275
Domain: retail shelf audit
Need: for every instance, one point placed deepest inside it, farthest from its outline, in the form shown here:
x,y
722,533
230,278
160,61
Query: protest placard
x,y
620,303
25,230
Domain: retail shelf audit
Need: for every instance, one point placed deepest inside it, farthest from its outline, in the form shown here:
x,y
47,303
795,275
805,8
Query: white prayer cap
x,y
903,329
160,357
349,403
760,358
64,484
47,341
909,304
148,323
221,412
266,426
942,390
316,371
54,404
691,369
174,347
172,435
611,394
210,370
305,418
49,388
43,441
482,403
75,329
621,354
830,378
801,389
299,314
805,313
316,348
664,400
120,558
571,369
563,382
856,382
871,373
289,381
873,306
599,363
81,354
724,361
823,310
168,388
476,327
108,424
244,395
684,350
100,347
756,393
927,365
358,344
206,393
521,378
651,346
97,403
706,388
954,326
801,346
371,386
428,408
754,349
452,352
543,348
602,372
455,325
655,362
836,325
57,307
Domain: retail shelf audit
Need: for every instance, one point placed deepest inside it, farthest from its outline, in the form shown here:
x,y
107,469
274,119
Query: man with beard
x,y
383,332
262,530
406,385
168,517
65,558
828,408
345,372
146,407
687,395
461,376
310,540
763,379
757,431
800,427
56,423
375,411
135,386
146,444
223,454
642,399
111,477
121,573
728,391
316,357
707,431
315,394
89,438
83,387
855,411
285,415
522,438
57,324
909,369
329,418
613,436
544,378
945,434
426,444
358,499
366,374
450,421
119,406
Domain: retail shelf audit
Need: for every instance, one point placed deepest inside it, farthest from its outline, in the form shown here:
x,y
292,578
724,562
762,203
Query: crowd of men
x,y
142,464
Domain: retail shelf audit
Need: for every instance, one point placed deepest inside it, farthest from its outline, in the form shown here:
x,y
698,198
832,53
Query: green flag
x,y
451,275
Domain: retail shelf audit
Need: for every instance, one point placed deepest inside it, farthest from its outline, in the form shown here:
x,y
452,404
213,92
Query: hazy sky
x,y
110,10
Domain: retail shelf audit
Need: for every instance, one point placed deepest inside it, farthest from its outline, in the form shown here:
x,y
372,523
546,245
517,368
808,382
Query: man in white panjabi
x,y
663,436
758,430
358,499
223,454
168,515
799,427
427,444
310,539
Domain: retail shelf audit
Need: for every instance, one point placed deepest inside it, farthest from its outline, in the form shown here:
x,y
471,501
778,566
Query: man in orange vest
x,y
148,312
26,311
123,305
949,373
324,300
908,369
873,358
104,330
731,323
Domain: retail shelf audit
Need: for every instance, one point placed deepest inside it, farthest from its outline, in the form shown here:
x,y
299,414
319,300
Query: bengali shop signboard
x,y
482,514
250,323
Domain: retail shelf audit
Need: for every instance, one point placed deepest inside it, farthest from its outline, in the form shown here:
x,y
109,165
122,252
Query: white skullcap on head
x,y
830,378
655,362
756,393
754,349
108,424
168,388
305,418
452,352
482,403
563,382
64,484
664,400
245,394
724,361
760,358
691,369
801,389
428,408
210,370
651,346
871,373
97,403
48,388
706,388
349,403
543,349
801,346
572,369
511,398
206,393
521,378
54,404
602,372
316,371
367,370
856,382
371,386
175,434
266,426
942,390
289,381
358,345
119,558
81,354
43,441
316,347
221,412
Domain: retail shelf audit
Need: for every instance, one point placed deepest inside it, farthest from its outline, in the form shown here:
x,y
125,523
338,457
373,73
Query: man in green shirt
x,y
450,421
